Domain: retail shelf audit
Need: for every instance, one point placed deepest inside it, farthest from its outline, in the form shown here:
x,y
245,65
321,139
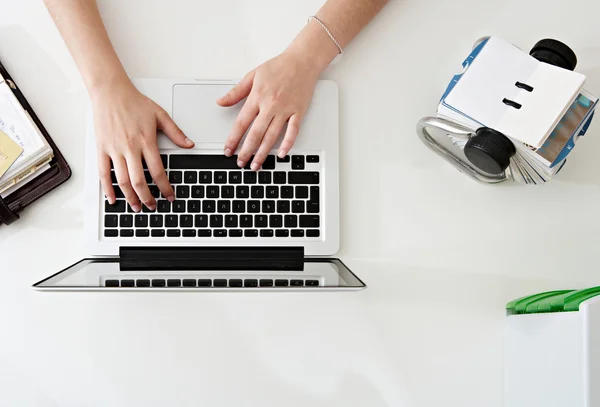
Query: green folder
x,y
551,301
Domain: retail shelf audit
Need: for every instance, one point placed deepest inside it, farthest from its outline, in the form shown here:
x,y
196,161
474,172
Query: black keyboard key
x,y
141,221
156,221
193,206
224,206
312,283
235,282
111,283
266,233
314,193
266,282
309,221
312,233
227,192
173,282
175,177
303,178
198,191
249,177
245,221
171,221
220,177
158,233
154,191
142,283
238,206
173,233
242,192
142,233
298,206
253,206
302,192
118,207
126,221
129,210
251,233
312,207
297,162
126,233
269,163
203,162
158,282
113,177
297,233
204,233
111,233
111,221
145,209
296,283
236,233
205,177
285,159
189,282
268,206
283,206
220,233
275,221
186,221
279,177
312,158
247,167
287,191
260,221
219,282
148,177
216,221
128,283
212,191
188,233
209,206
281,283
207,282
250,282
201,221
163,206
282,233
165,160
118,192
264,177
257,192
231,221
182,191
190,177
179,206
272,192
235,177
291,221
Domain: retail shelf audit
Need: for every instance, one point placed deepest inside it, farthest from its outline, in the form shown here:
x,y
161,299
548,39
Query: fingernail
x,y
111,200
281,154
228,152
170,198
136,208
152,207
189,142
240,164
254,167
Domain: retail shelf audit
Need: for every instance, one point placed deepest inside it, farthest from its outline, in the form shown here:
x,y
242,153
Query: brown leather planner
x,y
58,173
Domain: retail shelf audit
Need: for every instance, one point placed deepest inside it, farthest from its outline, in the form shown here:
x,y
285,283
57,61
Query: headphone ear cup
x,y
554,53
490,151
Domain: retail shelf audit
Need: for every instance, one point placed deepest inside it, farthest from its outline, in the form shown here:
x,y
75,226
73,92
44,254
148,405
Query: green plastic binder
x,y
551,301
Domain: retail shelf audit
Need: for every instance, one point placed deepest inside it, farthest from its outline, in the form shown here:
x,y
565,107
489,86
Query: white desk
x,y
441,254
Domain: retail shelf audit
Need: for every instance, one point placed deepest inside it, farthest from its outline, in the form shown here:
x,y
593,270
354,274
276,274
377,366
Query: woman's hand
x,y
278,91
125,123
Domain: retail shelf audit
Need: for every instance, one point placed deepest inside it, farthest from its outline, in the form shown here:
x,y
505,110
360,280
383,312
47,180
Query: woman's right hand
x,y
125,124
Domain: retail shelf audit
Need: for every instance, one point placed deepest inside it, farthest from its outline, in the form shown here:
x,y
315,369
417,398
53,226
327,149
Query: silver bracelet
x,y
327,31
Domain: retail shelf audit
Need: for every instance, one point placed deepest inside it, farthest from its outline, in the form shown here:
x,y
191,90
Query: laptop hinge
x,y
211,258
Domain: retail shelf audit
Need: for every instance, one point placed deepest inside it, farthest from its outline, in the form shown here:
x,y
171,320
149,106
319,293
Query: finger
x,y
105,179
138,181
125,183
290,135
157,170
270,138
254,138
238,92
168,126
242,122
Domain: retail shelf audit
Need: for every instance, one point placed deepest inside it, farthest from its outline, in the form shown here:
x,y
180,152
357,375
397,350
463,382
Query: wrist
x,y
314,46
108,85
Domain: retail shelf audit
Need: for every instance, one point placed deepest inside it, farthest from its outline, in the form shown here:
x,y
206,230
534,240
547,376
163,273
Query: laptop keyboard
x,y
208,282
214,198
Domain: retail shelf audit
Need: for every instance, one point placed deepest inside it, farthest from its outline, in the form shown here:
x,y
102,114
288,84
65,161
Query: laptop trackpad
x,y
196,112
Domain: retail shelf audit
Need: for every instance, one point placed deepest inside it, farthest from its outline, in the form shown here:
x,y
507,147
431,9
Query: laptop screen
x,y
106,274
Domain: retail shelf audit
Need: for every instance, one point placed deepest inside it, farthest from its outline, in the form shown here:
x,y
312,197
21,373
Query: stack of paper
x,y
16,123
541,108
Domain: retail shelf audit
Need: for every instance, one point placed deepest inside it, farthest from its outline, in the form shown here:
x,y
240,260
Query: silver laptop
x,y
229,228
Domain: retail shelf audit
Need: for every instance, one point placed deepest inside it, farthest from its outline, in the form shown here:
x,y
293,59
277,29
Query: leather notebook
x,y
56,170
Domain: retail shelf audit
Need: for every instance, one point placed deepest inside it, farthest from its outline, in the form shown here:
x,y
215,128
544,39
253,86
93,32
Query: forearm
x,y
81,27
344,19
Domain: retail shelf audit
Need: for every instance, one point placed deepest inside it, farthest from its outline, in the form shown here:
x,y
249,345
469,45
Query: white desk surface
x,y
441,254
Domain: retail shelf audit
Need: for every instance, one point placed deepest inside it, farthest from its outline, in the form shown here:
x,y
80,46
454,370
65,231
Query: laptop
x,y
228,228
